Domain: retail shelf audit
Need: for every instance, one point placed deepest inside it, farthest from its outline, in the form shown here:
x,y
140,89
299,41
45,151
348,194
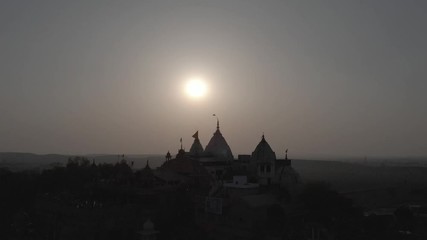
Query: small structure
x,y
240,187
168,156
148,232
145,177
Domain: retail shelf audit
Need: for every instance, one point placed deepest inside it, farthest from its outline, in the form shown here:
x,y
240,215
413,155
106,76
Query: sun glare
x,y
196,88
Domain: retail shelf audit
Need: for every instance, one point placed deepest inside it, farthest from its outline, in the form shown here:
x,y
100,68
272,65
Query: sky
x,y
321,78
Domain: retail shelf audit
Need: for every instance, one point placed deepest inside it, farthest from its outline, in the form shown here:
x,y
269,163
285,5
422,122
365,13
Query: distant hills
x,y
29,161
351,176
341,175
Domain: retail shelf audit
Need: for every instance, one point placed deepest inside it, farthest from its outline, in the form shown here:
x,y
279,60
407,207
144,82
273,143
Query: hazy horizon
x,y
318,78
321,157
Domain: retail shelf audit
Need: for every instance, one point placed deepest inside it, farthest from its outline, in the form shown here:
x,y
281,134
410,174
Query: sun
x,y
196,88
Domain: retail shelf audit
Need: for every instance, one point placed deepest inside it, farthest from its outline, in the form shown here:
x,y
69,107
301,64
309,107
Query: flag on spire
x,y
196,135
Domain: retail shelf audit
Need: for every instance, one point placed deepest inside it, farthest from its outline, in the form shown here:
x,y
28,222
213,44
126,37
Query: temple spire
x,y
196,148
217,121
263,137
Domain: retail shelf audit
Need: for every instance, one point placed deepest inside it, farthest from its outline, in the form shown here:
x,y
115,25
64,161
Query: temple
x,y
261,167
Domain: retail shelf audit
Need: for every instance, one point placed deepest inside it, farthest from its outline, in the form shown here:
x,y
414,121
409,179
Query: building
x,y
216,157
261,167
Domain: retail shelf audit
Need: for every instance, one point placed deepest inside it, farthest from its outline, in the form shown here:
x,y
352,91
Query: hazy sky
x,y
317,77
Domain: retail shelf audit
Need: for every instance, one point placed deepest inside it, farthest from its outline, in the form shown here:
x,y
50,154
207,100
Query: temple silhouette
x,y
261,167
203,193
237,190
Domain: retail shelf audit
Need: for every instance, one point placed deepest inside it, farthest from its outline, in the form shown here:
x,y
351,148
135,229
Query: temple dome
x,y
263,152
218,147
196,148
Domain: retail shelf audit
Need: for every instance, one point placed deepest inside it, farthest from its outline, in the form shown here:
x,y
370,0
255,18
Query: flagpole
x,y
217,121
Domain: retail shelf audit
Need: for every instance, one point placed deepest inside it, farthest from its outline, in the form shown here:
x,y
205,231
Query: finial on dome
x,y
263,137
180,140
217,121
